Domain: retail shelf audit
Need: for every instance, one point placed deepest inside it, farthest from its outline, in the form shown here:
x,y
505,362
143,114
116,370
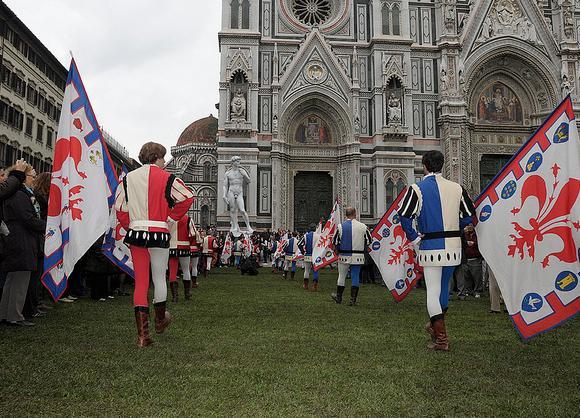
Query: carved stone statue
x,y
234,180
566,86
443,78
394,109
238,106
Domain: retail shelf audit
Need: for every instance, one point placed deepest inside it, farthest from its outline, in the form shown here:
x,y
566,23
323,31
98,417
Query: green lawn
x,y
262,346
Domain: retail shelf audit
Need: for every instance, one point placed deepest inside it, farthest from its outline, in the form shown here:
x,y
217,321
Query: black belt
x,y
441,234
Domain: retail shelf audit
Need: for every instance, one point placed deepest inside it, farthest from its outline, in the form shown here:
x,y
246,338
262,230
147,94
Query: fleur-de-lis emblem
x,y
401,246
553,218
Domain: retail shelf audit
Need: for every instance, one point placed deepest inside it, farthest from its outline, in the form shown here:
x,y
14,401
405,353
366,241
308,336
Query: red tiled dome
x,y
202,130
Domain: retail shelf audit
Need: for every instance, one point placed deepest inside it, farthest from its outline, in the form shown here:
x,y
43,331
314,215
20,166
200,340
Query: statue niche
x,y
238,97
394,104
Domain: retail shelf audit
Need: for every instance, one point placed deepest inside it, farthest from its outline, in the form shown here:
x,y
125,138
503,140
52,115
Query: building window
x,y
235,15
246,14
395,13
392,190
312,12
29,122
207,171
4,111
39,132
391,15
386,17
42,103
49,135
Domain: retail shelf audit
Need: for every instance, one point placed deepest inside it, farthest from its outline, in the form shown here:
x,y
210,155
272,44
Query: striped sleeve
x,y
337,236
410,204
466,207
182,198
368,238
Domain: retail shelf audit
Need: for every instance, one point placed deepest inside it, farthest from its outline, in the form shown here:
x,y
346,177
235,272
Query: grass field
x,y
262,346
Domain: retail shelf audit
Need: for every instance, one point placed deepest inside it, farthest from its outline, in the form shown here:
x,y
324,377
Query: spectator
x,y
32,307
472,269
22,217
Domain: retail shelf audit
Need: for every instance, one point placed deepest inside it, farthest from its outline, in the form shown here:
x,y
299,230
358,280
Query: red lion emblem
x,y
552,218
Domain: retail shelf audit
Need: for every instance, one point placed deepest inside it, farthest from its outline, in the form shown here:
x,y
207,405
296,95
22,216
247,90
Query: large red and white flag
x,y
81,190
528,226
280,248
114,247
393,253
324,253
227,251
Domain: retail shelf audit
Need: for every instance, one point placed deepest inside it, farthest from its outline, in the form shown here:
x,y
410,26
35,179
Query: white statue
x,y
239,106
234,180
394,109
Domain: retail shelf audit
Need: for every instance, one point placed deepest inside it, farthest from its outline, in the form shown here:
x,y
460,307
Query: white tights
x,y
194,261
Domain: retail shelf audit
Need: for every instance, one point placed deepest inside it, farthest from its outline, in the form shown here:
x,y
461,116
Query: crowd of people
x,y
152,207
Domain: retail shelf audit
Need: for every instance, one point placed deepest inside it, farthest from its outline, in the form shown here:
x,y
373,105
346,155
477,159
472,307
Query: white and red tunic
x,y
179,244
148,200
209,245
194,239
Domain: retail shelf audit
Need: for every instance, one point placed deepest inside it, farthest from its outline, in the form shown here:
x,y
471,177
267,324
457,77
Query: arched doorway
x,y
312,198
205,216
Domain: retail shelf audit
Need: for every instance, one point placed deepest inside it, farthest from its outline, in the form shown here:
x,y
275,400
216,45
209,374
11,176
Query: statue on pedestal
x,y
238,106
394,109
234,180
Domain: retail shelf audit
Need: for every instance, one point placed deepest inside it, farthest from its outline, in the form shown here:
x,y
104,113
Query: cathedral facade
x,y
326,99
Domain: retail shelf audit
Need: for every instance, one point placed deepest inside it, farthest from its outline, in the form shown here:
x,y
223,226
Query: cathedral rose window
x,y
312,12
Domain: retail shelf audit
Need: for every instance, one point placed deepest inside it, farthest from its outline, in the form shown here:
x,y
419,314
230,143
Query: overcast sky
x,y
150,67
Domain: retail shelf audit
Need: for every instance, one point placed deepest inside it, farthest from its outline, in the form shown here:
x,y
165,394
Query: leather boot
x,y
142,319
430,331
187,289
353,295
194,282
314,287
285,275
305,284
441,341
292,275
337,297
162,317
173,287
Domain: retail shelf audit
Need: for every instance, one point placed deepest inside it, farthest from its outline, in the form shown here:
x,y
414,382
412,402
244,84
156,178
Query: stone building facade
x,y
194,160
340,98
31,92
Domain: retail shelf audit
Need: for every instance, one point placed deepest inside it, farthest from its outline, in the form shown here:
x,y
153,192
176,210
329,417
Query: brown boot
x,y
194,282
142,319
292,273
430,331
187,289
441,341
162,317
173,286
314,287
305,284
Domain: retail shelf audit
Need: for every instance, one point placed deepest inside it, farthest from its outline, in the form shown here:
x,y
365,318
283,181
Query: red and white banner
x,y
247,242
528,226
280,248
114,247
323,253
81,190
227,251
393,253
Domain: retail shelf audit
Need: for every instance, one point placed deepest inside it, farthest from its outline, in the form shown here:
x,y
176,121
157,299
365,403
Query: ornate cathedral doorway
x,y
312,198
489,166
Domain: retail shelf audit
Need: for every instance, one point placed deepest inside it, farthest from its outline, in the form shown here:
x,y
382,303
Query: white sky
x,y
150,67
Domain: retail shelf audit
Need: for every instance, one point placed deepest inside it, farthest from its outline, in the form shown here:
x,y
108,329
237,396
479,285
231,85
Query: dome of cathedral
x,y
201,131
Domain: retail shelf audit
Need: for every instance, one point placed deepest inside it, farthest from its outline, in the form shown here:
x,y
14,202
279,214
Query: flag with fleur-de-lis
x,y
528,226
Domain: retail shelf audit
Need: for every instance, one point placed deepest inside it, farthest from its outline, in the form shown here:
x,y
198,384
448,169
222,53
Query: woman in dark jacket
x,y
32,306
21,215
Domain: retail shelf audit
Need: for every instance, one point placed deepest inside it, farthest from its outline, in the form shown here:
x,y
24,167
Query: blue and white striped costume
x,y
442,209
290,250
351,240
306,245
